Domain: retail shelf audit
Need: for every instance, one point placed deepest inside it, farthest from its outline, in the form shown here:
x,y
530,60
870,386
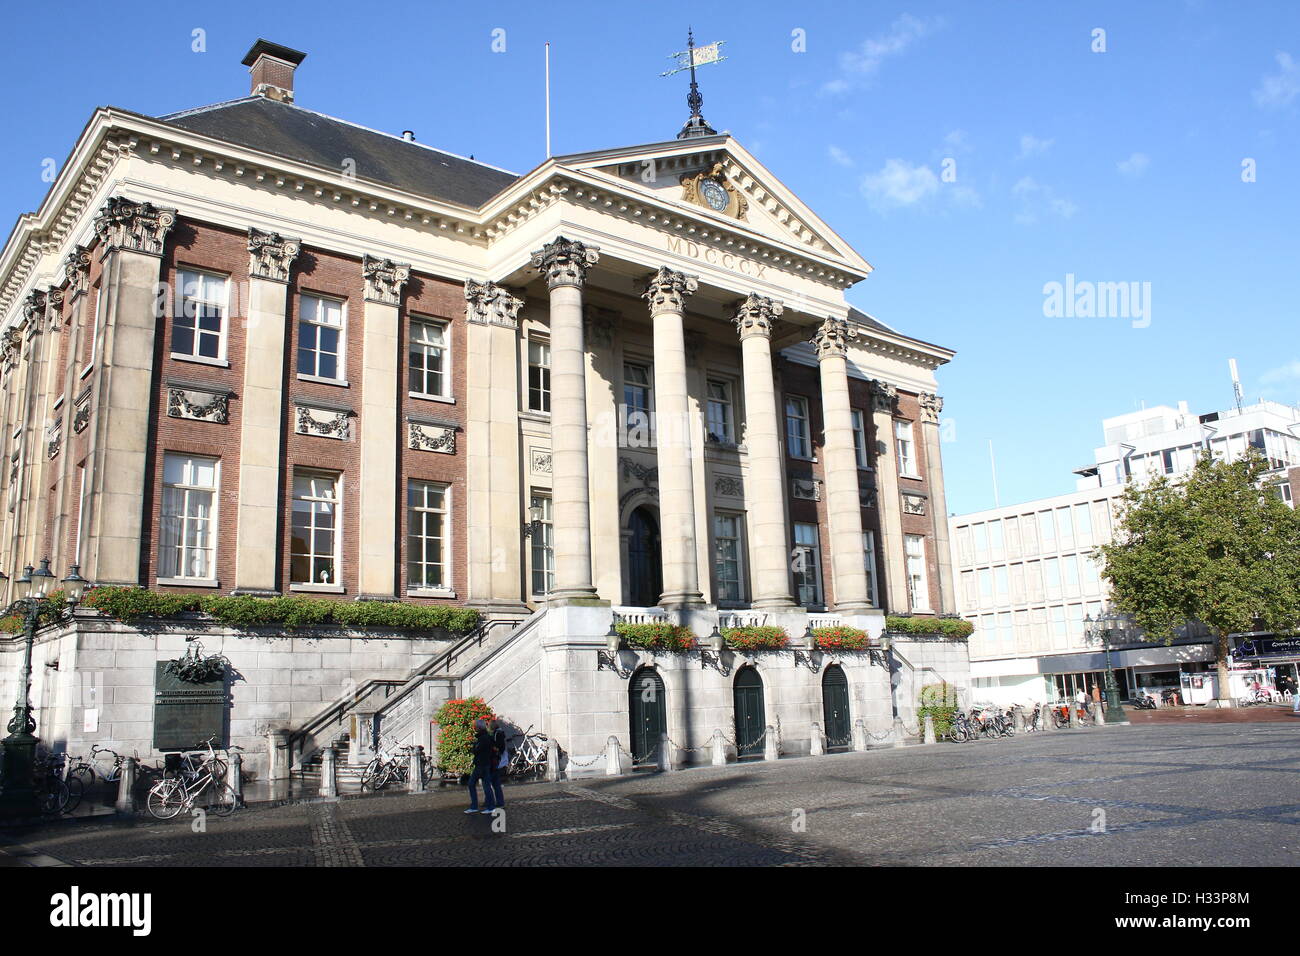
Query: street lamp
x,y
1101,628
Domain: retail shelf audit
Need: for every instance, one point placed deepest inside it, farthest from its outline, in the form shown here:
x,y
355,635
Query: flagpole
x,y
548,99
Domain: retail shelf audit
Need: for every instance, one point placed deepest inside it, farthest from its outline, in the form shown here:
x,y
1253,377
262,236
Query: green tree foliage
x,y
1214,547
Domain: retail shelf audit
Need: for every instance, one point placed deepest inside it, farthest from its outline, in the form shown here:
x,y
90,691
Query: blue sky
x,y
972,152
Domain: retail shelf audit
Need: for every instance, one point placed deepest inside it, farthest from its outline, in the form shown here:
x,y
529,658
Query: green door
x,y
750,718
649,714
835,708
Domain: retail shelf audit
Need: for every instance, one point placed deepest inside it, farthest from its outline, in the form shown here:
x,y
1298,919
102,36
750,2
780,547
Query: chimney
x,y
271,67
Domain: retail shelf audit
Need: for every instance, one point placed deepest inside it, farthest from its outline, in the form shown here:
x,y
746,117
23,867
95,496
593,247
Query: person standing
x,y
501,762
1081,701
484,758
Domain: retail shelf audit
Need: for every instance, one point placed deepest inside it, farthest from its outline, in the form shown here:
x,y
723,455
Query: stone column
x,y
564,263
883,397
379,404
131,236
492,446
270,257
843,499
30,499
666,293
769,539
931,406
76,269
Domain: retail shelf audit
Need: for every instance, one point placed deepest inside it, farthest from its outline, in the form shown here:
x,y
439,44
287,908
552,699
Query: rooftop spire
x,y
689,59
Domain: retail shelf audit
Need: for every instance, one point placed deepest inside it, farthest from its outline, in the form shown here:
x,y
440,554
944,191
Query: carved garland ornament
x,y
336,425
180,405
541,461
729,486
565,261
755,315
439,438
137,226
490,304
81,418
270,255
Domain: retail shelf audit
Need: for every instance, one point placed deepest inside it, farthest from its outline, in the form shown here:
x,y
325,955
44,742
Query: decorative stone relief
x,y
270,255
196,404
138,226
487,303
326,422
913,504
667,290
832,338
810,489
565,261
34,313
540,461
634,469
54,300
428,436
54,440
384,279
729,486
76,270
931,406
883,396
81,417
755,315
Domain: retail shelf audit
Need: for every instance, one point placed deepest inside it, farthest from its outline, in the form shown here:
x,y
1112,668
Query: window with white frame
x,y
797,432
430,371
320,338
918,582
539,375
638,403
187,536
543,541
728,562
807,565
869,558
199,323
315,527
906,449
426,536
720,414
859,437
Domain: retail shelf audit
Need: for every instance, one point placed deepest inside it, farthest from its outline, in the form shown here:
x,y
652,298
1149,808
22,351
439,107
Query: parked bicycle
x,y
529,758
173,794
91,770
54,793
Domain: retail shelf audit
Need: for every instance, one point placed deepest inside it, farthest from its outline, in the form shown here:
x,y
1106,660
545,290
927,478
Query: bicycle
x,y
960,731
54,794
87,770
530,758
385,767
171,795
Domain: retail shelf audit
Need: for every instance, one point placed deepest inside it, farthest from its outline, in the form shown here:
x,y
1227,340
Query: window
x,y
807,565
637,406
426,536
918,585
720,415
187,538
859,437
797,440
869,557
314,535
539,377
430,372
906,449
996,547
543,542
728,563
320,338
1052,575
1047,530
199,326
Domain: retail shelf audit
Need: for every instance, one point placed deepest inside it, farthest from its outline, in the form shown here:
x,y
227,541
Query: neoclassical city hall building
x,y
253,349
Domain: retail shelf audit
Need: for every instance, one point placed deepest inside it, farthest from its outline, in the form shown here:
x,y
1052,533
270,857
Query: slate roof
x,y
309,137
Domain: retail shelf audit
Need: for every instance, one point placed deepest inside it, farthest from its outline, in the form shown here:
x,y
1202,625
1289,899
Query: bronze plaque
x,y
186,714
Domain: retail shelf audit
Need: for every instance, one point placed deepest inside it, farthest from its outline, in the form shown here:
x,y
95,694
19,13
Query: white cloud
x,y
899,183
956,141
1031,145
839,156
1037,201
1283,374
1135,165
1283,87
867,59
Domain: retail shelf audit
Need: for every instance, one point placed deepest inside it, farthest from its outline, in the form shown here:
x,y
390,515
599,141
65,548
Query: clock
x,y
715,194
710,188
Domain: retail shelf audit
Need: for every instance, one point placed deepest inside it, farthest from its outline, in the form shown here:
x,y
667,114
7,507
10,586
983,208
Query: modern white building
x,y
1027,579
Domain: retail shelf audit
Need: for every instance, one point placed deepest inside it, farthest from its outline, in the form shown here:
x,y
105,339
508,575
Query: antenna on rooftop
x,y
1236,383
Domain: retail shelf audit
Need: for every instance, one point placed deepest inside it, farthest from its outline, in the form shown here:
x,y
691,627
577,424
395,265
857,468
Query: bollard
x,y
859,734
415,770
769,744
1017,719
126,787
1046,717
929,730
613,758
1074,716
328,784
1099,715
719,749
898,734
665,754
818,747
552,761
235,777
277,755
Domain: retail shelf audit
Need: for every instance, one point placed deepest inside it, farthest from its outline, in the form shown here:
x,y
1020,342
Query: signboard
x,y
185,714
1259,648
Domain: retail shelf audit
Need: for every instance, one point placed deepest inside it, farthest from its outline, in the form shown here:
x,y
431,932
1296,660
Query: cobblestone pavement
x,y
1256,714
1178,794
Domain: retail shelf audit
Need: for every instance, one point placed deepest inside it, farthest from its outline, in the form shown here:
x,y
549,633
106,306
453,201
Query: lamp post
x,y
18,794
1100,628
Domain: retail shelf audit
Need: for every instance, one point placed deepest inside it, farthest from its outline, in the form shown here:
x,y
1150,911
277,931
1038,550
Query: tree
x,y
1213,547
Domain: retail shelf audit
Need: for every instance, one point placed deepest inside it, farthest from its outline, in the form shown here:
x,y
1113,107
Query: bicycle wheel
x,y
372,770
380,779
166,799
222,798
75,791
85,773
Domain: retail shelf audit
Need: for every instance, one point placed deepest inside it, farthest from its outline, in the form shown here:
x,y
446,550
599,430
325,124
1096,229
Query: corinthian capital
x,y
489,304
565,261
384,279
755,315
832,338
34,312
931,406
270,255
883,396
137,226
54,299
666,290
76,269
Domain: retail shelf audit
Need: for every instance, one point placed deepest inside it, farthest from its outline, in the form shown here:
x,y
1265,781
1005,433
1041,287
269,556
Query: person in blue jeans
x,y
502,759
484,763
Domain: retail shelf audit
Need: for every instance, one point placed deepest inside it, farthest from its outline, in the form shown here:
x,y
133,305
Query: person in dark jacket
x,y
484,761
502,759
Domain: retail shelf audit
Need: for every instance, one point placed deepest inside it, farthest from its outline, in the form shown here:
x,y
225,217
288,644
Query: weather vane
x,y
689,59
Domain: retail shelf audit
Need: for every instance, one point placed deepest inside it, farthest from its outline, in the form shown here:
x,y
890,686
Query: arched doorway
x,y
644,560
835,708
649,713
750,716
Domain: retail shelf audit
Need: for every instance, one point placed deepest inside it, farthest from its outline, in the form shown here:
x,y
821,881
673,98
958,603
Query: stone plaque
x,y
186,714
